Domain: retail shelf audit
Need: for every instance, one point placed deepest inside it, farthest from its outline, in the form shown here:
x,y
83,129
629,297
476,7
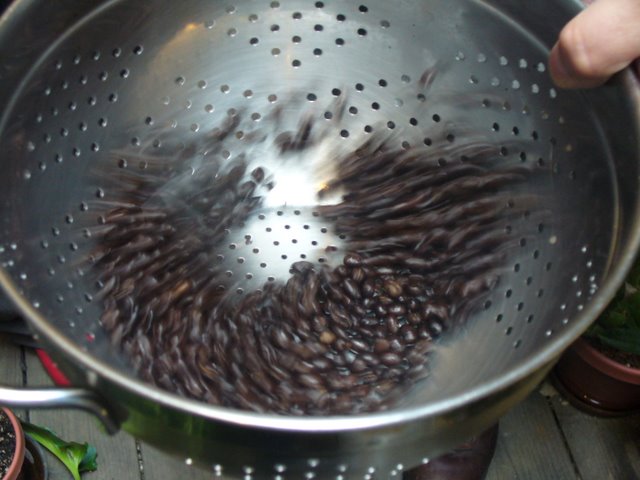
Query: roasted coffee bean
x,y
414,290
436,310
393,288
478,285
352,260
360,391
336,359
322,364
358,275
342,271
368,377
109,319
369,321
343,403
396,345
303,351
338,299
359,345
368,289
368,303
280,338
317,348
381,345
381,332
262,381
418,372
319,324
413,305
246,189
311,381
424,333
392,325
258,174
415,358
391,359
435,328
302,268
341,382
341,320
423,346
358,366
340,332
351,287
341,345
106,288
367,332
385,301
370,359
338,314
395,372
397,310
360,312
408,334
385,387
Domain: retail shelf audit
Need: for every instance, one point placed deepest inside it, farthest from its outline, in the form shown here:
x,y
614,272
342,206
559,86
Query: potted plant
x,y
21,456
600,373
12,445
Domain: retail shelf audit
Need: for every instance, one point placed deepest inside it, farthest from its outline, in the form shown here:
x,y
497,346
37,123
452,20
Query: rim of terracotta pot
x,y
607,365
18,457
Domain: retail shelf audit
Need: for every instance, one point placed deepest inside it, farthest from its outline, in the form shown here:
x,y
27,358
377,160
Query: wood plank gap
x,y
23,366
563,435
25,378
140,459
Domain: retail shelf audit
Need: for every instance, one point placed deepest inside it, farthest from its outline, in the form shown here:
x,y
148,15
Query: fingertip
x,y
564,75
559,73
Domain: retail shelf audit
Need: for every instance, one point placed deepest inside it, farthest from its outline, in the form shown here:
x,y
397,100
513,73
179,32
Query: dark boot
x,y
470,461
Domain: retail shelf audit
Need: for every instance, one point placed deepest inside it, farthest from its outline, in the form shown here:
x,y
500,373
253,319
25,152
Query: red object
x,y
597,384
52,369
18,458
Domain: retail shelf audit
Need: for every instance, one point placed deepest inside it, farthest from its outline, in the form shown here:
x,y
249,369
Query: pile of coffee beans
x,y
424,237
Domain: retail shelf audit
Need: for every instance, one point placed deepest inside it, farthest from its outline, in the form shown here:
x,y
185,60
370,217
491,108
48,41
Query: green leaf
x,y
634,276
76,457
89,462
633,304
616,319
624,339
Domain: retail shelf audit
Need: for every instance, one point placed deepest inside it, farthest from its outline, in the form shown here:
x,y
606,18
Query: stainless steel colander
x,y
87,88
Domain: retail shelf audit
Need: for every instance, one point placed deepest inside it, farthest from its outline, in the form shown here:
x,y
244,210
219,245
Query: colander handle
x,y
58,398
49,397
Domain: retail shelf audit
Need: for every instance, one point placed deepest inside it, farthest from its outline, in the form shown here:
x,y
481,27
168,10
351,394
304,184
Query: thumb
x,y
600,41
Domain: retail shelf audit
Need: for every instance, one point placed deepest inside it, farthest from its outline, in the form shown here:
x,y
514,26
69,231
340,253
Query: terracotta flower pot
x,y
597,384
16,465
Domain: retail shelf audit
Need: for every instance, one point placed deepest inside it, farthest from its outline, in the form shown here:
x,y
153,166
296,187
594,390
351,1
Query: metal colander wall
x,y
140,82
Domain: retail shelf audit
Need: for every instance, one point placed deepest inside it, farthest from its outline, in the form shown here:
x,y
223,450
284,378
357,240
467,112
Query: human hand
x,y
600,41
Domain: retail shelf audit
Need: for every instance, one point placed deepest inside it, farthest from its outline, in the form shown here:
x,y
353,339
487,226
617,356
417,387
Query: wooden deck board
x,y
603,448
117,455
10,362
530,445
160,466
11,369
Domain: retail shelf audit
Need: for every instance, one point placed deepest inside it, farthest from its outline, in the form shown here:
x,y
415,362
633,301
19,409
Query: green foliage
x,y
76,457
619,326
